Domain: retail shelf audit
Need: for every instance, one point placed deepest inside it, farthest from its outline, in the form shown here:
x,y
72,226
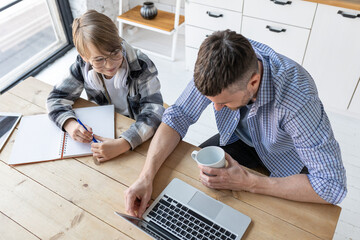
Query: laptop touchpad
x,y
205,205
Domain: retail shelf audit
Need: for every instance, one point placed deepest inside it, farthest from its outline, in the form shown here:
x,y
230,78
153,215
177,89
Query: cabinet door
x,y
354,107
233,5
195,36
332,55
212,18
287,40
295,12
191,56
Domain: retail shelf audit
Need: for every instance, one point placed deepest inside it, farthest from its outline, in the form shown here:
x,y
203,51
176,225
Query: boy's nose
x,y
108,63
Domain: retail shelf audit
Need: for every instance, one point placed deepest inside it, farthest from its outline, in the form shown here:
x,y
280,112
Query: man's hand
x,y
137,197
236,177
232,177
108,148
78,132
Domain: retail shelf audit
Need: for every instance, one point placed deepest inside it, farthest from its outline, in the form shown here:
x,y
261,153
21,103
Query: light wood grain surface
x,y
75,198
163,21
351,4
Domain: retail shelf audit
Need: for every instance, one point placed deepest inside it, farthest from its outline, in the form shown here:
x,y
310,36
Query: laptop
x,y
183,212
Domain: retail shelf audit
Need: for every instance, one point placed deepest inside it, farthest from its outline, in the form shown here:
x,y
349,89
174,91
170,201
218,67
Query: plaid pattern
x,y
288,125
144,99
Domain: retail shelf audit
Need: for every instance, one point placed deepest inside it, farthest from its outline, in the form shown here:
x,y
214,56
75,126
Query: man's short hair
x,y
225,59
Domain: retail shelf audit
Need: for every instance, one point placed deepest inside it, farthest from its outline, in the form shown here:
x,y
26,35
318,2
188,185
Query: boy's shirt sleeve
x,y
64,94
150,111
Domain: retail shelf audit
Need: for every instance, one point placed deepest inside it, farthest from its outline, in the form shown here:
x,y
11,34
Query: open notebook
x,y
39,139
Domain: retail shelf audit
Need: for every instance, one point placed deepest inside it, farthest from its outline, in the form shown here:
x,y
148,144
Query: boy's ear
x,y
84,58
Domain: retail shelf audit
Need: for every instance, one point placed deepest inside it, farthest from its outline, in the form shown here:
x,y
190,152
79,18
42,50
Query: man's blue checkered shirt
x,y
288,125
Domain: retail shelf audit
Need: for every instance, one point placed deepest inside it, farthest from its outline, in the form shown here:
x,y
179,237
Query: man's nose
x,y
218,107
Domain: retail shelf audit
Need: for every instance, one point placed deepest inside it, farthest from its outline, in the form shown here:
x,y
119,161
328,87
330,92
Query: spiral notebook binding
x,y
63,145
65,142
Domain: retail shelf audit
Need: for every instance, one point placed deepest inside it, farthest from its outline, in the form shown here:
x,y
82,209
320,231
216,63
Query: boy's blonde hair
x,y
97,29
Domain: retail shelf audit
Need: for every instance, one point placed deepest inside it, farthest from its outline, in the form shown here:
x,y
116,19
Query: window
x,y
33,34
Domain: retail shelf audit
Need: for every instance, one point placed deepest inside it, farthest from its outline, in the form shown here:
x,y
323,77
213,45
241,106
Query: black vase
x,y
148,10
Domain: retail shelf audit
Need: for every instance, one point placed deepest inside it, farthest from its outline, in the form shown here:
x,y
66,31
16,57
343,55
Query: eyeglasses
x,y
100,62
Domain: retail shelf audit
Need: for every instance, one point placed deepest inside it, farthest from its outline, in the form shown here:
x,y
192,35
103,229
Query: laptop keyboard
x,y
184,223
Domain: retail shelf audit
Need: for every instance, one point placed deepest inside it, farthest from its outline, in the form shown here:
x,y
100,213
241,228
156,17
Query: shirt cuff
x,y
330,190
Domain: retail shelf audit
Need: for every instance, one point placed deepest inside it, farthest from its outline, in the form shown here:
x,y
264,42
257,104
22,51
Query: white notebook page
x,y
100,119
39,139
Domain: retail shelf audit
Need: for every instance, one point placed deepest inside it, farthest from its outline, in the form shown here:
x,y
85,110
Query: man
x,y
267,111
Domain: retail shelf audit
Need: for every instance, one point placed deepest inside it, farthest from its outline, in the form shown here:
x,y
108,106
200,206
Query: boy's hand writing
x,y
78,132
108,148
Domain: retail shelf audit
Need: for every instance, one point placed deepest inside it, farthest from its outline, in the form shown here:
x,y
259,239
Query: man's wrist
x,y
149,171
147,176
262,184
256,183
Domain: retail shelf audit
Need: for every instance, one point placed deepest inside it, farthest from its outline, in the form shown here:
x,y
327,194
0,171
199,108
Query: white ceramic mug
x,y
212,156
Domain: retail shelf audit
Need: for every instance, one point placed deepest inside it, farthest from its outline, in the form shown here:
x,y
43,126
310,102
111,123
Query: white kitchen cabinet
x,y
323,38
212,18
354,107
294,12
191,56
233,5
285,39
332,55
196,35
281,24
203,17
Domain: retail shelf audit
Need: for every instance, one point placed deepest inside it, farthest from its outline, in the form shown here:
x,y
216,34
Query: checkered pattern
x,y
288,125
144,100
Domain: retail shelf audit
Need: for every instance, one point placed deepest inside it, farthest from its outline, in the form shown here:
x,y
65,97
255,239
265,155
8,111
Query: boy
x,y
111,72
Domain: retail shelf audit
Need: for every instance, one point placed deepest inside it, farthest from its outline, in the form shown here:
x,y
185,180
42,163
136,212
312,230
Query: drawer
x,y
287,40
234,5
212,18
194,36
296,12
191,56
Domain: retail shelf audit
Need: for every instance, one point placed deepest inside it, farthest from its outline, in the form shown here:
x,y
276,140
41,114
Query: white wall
x,y
111,7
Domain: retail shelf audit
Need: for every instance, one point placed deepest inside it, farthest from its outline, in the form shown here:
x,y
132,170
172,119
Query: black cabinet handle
x,y
347,15
281,3
275,30
214,15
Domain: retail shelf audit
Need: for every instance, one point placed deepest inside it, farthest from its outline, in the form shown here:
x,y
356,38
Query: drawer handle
x,y
347,15
275,30
281,2
214,15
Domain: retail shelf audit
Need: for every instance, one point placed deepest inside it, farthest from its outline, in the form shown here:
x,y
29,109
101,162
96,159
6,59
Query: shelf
x,y
164,21
144,39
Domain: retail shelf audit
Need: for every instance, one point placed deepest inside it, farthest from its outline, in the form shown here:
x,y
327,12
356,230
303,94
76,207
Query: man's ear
x,y
254,82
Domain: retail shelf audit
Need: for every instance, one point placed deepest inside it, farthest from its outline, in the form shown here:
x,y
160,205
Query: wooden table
x,y
76,199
